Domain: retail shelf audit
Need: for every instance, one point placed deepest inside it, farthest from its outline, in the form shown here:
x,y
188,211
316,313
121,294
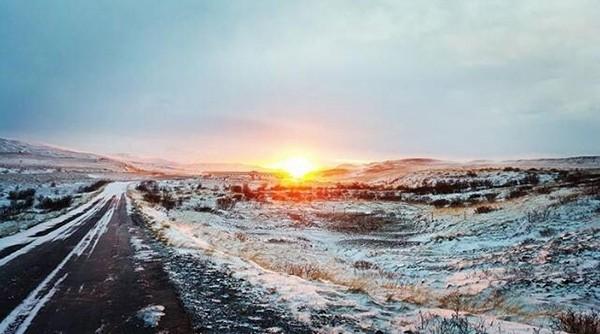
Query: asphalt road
x,y
77,274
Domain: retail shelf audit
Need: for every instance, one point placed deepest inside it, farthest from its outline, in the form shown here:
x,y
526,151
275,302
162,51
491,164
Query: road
x,y
77,274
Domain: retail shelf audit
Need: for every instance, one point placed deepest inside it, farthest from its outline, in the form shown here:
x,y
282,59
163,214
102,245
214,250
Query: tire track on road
x,y
20,278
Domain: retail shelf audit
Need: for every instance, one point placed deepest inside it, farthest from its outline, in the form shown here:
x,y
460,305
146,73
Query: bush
x,y
16,207
153,198
147,186
533,179
516,193
577,323
54,204
21,194
457,203
308,271
538,216
167,201
485,209
491,197
242,237
440,203
153,195
456,324
225,203
204,208
236,189
364,265
93,187
543,190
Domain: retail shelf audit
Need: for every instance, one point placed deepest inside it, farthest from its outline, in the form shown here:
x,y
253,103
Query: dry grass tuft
x,y
578,323
357,285
307,270
408,293
242,237
456,302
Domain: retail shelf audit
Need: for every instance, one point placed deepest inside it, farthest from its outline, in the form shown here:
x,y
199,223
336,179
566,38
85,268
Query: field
x,y
492,249
406,246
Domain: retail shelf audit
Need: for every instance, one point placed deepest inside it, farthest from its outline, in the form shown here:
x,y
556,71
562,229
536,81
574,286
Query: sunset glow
x,y
296,167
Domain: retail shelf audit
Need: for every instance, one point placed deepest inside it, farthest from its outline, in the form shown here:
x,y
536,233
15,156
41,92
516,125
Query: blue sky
x,y
337,80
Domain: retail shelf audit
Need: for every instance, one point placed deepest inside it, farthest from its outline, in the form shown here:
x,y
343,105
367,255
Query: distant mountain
x,y
18,154
379,171
9,146
570,162
172,167
394,169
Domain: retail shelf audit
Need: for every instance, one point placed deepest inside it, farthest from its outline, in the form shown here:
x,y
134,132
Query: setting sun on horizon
x,y
381,166
297,167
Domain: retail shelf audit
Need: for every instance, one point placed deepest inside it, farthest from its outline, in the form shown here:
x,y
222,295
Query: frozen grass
x,y
578,322
504,264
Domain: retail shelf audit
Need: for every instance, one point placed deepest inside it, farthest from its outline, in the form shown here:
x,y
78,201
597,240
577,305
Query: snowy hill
x,y
19,155
172,167
392,170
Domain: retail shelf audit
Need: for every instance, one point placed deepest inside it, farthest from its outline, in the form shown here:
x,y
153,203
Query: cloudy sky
x,y
337,80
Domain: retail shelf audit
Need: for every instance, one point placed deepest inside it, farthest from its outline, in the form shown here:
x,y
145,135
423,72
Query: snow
x,y
143,252
31,238
151,315
416,259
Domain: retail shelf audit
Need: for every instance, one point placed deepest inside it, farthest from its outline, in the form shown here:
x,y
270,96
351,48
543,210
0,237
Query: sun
x,y
296,167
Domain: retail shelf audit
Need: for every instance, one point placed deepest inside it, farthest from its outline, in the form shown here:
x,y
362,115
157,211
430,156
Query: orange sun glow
x,y
296,167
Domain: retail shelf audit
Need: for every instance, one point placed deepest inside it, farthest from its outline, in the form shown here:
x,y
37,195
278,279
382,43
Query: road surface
x,y
77,274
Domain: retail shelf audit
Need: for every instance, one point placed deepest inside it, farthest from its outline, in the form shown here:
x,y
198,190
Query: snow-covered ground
x,y
397,246
52,173
381,265
34,215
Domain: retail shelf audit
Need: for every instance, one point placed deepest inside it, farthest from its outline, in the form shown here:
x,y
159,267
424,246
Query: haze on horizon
x,y
243,81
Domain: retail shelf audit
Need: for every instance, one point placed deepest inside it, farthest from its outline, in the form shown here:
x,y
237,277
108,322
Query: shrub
x,y
307,270
473,197
440,203
242,237
147,186
152,197
539,215
16,207
456,324
204,208
485,209
577,323
364,265
225,203
236,189
491,197
21,194
533,179
167,200
54,204
93,187
543,190
457,203
516,193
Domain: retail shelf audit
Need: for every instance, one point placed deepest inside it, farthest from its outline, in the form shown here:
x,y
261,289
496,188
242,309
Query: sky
x,y
252,81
